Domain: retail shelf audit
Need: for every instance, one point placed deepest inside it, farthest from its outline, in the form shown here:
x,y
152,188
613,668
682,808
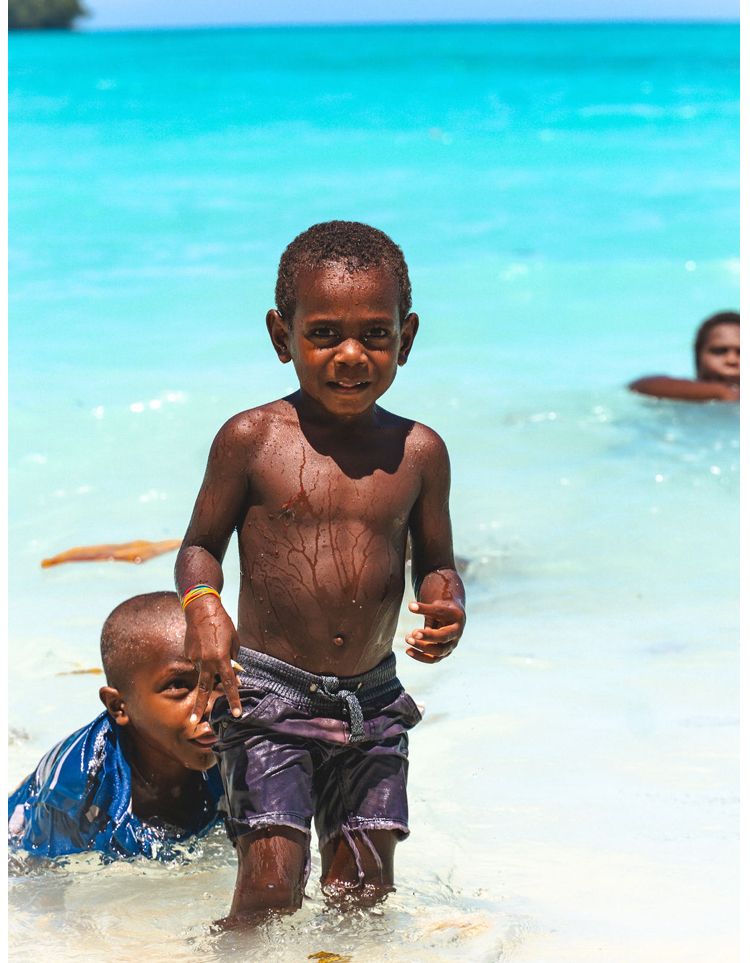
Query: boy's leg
x,y
361,809
267,775
270,873
359,865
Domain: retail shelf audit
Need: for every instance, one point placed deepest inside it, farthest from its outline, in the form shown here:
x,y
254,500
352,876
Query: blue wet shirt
x,y
79,799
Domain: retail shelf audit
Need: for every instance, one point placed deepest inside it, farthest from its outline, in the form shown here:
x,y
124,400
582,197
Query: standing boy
x,y
323,487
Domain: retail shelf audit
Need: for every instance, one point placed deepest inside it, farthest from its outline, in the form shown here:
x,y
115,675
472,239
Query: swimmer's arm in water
x,y
685,389
437,584
211,639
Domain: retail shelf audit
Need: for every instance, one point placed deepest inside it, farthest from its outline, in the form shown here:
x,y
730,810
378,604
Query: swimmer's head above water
x,y
151,685
717,365
138,775
717,348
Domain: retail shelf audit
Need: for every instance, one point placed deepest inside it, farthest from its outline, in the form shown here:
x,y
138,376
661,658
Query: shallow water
x,y
574,783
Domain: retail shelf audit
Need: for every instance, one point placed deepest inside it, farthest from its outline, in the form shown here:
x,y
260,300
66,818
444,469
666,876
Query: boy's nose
x,y
350,352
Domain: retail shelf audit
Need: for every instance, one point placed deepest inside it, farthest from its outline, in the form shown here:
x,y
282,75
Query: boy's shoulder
x,y
254,429
79,798
247,428
77,782
423,447
66,768
422,442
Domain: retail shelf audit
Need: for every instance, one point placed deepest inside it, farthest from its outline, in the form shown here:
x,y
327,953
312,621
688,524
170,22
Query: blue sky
x,y
148,13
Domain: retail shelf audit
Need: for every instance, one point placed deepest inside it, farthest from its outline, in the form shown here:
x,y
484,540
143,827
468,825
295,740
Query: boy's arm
x,y
684,389
210,636
437,585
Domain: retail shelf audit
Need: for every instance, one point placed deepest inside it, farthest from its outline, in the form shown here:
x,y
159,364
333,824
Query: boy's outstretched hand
x,y
211,642
443,626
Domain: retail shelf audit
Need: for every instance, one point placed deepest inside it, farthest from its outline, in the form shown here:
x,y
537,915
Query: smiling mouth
x,y
350,387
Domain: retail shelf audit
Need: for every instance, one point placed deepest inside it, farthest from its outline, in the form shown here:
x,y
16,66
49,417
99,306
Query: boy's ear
x,y
279,332
408,333
114,704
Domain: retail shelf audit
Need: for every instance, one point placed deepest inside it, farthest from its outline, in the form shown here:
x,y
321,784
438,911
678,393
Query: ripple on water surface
x,y
146,910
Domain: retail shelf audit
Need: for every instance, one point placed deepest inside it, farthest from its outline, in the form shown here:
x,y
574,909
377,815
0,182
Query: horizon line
x,y
512,22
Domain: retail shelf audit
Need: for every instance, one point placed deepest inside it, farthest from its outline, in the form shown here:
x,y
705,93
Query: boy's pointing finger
x,y
229,685
202,693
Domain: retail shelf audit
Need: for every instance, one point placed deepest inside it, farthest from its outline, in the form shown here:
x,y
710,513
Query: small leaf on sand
x,y
324,957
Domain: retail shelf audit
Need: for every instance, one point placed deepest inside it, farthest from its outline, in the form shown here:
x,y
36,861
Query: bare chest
x,y
305,487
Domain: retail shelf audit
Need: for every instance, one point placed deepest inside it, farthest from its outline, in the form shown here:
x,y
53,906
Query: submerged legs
x,y
357,870
358,866
270,874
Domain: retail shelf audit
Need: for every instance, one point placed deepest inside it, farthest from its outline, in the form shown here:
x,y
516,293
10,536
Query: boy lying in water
x,y
141,773
717,365
322,487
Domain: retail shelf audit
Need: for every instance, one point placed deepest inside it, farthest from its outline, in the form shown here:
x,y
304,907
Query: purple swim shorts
x,y
307,745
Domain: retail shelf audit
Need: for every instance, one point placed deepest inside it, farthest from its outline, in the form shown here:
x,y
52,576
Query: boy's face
x,y
719,358
158,703
346,339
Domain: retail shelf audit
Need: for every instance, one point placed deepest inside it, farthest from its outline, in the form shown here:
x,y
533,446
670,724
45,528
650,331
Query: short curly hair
x,y
135,630
355,246
701,335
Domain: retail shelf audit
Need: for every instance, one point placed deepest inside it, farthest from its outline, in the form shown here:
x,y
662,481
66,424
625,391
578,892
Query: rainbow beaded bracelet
x,y
195,592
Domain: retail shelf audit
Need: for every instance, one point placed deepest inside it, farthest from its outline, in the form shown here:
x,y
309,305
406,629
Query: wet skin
x,y
718,365
166,751
323,487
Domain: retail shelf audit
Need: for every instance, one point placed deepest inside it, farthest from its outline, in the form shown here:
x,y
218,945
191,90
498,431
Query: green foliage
x,y
44,14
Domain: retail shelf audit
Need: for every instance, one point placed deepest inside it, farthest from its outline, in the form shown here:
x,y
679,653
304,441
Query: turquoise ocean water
x,y
567,200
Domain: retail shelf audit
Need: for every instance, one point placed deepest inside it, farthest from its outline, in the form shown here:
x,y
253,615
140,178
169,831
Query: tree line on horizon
x,y
44,14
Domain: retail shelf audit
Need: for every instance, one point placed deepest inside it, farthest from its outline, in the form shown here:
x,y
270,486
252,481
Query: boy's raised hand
x,y
211,642
443,626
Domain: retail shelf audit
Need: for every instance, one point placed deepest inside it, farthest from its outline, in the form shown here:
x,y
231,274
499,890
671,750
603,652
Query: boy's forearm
x,y
196,565
684,389
441,585
210,636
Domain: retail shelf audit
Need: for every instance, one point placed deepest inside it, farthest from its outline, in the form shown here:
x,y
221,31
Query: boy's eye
x,y
322,332
377,334
180,684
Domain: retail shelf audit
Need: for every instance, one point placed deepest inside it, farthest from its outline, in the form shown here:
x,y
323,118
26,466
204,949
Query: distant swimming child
x,y
141,774
323,488
717,365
